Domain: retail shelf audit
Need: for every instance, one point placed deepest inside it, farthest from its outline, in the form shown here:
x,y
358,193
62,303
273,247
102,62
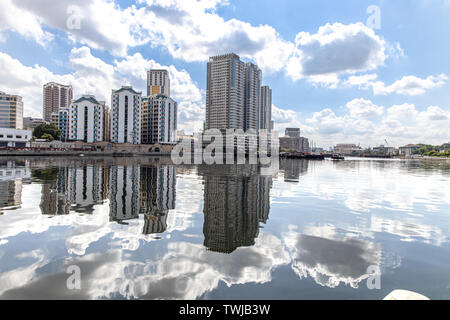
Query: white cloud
x,y
362,121
336,49
25,23
192,30
94,76
366,109
326,122
284,118
103,24
361,81
410,85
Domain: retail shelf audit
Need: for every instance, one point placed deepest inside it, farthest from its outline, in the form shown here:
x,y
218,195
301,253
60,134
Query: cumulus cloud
x,y
94,76
192,30
361,108
336,49
102,23
362,121
23,22
410,85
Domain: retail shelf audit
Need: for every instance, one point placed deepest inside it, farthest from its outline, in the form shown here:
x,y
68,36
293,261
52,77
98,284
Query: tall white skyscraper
x,y
85,120
55,96
252,102
266,109
225,92
126,106
158,82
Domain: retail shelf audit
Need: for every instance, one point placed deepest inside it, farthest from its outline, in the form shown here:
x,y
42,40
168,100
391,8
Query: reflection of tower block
x,y
156,222
236,200
124,195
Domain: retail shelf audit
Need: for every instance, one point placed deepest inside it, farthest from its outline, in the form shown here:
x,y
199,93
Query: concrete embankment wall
x,y
78,153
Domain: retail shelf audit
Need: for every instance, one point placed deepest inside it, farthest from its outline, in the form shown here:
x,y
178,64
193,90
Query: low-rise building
x,y
409,149
445,147
384,151
299,144
30,123
347,149
11,111
14,138
54,119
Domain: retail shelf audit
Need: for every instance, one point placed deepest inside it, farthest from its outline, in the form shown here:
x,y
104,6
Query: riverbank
x,y
80,154
432,159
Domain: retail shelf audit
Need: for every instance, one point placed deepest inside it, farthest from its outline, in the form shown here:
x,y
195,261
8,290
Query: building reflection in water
x,y
72,188
236,201
145,190
158,189
12,176
132,190
236,198
293,168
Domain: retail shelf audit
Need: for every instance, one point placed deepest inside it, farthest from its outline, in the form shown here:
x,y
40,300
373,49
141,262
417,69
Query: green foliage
x,y
425,149
438,154
47,175
47,137
48,129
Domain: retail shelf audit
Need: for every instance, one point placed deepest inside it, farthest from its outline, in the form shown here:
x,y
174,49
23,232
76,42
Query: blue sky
x,y
332,73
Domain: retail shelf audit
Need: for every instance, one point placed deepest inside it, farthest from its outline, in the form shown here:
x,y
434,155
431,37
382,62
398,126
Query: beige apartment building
x,y
55,96
158,82
11,111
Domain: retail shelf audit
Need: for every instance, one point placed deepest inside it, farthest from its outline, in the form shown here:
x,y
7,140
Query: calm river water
x,y
141,228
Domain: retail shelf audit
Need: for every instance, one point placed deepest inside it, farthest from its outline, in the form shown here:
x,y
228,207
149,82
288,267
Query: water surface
x,y
142,228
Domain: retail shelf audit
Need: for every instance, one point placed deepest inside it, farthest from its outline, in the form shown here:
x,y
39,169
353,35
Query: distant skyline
x,y
332,75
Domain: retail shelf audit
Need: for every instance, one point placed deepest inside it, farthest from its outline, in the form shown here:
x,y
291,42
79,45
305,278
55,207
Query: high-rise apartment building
x,y
225,92
158,82
126,106
63,123
55,96
252,102
11,111
265,114
86,120
159,120
235,97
